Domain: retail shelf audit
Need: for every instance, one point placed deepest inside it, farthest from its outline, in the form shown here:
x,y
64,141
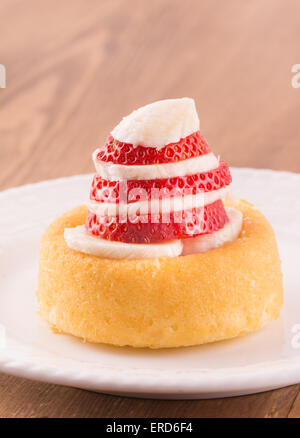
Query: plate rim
x,y
242,380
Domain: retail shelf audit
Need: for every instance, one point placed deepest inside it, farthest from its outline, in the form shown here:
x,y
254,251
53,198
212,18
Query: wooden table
x,y
75,67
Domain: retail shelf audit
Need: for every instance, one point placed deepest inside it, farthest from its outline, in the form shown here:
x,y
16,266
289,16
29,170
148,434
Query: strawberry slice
x,y
109,191
147,228
125,153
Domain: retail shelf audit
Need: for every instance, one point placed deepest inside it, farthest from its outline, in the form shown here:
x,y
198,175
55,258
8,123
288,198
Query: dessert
x,y
159,256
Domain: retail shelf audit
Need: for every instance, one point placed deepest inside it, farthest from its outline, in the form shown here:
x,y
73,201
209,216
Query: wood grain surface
x,y
75,67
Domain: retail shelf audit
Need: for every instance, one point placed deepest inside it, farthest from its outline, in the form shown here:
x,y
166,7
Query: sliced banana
x,y
119,172
165,205
159,123
77,238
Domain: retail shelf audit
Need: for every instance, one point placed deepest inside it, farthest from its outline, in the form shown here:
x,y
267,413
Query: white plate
x,y
264,360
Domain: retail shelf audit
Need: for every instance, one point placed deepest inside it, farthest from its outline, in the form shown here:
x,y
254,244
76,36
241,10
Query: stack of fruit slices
x,y
150,195
160,223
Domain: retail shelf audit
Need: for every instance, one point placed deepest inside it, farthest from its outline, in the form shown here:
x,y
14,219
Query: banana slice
x,y
77,238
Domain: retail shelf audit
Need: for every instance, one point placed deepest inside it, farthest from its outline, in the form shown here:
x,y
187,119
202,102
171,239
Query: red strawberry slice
x,y
147,229
109,191
125,153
